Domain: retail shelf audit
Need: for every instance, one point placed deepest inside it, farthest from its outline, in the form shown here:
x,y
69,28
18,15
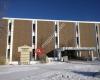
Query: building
x,y
81,38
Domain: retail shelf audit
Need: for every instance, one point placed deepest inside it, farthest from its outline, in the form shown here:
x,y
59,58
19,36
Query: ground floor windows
x,y
33,39
8,54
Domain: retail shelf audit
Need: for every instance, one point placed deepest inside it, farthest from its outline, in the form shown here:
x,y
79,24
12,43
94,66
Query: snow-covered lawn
x,y
52,71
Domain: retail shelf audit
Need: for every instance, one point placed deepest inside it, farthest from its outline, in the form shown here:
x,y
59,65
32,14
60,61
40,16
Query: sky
x,y
87,10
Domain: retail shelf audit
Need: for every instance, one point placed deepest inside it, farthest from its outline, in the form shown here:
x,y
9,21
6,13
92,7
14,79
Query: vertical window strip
x,y
97,41
77,29
56,28
34,27
9,39
8,53
97,29
77,39
33,39
56,38
33,52
10,25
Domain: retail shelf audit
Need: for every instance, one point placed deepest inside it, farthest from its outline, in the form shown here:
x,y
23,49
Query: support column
x,y
33,43
11,46
80,54
99,42
92,55
56,35
35,39
77,53
89,53
59,55
76,30
58,32
8,46
97,39
78,38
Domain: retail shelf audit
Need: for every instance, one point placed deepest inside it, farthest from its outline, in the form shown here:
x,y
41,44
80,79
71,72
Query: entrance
x,y
70,53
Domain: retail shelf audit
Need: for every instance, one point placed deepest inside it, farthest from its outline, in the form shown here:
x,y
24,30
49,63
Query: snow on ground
x,y
52,71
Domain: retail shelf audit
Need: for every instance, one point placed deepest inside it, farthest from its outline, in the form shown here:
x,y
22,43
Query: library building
x,y
21,37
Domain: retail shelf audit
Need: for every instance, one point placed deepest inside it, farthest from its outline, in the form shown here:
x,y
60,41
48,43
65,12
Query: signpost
x,y
24,54
39,52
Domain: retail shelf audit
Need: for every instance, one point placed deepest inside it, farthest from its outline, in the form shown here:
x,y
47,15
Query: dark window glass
x,y
96,29
34,27
97,41
98,50
9,40
56,40
56,28
77,29
10,26
77,40
33,52
33,39
8,53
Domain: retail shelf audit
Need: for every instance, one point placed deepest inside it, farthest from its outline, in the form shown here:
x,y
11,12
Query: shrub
x,y
43,59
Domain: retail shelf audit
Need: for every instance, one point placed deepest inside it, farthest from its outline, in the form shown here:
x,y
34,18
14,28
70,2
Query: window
x,y
77,40
10,26
34,27
56,40
33,39
56,28
8,53
96,29
9,40
33,52
98,50
97,41
77,29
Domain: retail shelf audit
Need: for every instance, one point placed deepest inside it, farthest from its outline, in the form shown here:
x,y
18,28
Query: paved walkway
x,y
51,71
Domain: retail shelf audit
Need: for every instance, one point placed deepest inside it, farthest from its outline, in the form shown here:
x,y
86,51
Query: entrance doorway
x,y
70,53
